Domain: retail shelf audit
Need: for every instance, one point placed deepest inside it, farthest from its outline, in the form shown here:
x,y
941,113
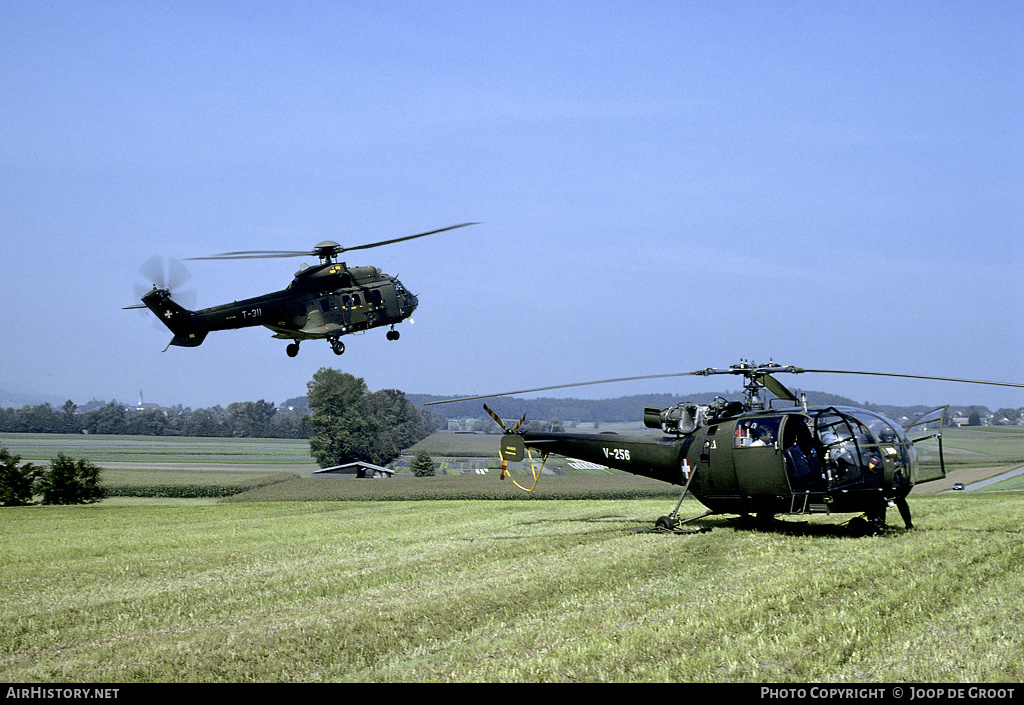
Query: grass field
x,y
505,591
305,588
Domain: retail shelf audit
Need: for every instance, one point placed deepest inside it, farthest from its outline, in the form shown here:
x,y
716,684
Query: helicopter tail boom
x,y
178,319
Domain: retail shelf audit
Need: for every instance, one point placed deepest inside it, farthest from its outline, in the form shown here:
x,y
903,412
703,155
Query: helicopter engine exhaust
x,y
680,419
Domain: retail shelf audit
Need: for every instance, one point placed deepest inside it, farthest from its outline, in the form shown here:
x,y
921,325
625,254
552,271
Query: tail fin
x,y
178,319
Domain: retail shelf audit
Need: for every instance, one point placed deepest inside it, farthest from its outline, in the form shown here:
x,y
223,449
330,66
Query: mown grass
x,y
505,591
461,487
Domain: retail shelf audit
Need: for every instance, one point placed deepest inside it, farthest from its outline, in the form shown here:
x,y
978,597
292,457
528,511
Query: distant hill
x,y
16,400
624,409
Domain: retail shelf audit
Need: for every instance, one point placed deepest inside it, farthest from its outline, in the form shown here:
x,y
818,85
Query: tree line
x,y
342,419
247,419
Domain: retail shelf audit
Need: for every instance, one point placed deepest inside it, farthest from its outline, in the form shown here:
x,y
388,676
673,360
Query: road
x,y
972,478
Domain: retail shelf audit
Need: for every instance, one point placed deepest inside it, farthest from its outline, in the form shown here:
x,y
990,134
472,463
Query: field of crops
x,y
987,445
100,449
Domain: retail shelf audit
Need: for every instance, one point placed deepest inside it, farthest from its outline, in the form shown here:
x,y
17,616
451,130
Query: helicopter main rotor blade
x,y
892,374
562,386
255,254
401,239
761,373
776,387
270,254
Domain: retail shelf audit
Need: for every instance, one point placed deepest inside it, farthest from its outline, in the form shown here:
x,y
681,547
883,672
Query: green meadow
x,y
476,590
487,588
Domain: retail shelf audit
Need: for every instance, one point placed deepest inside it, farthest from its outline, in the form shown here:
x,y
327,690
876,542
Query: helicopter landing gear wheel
x,y
337,346
292,349
865,526
393,334
666,523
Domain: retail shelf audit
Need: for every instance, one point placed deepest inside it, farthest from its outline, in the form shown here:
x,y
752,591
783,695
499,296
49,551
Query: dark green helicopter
x,y
755,459
324,301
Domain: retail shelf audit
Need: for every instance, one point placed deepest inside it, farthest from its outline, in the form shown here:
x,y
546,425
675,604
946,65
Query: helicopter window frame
x,y
855,467
897,438
843,465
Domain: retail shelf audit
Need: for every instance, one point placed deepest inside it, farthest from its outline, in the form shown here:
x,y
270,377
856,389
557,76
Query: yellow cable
x,y
536,471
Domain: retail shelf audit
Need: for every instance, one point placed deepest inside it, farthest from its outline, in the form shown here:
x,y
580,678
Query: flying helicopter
x,y
324,301
757,459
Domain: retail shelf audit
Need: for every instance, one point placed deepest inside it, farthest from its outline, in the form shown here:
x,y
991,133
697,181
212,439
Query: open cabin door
x,y
930,463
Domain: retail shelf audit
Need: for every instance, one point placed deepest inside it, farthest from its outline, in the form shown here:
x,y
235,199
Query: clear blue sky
x,y
661,186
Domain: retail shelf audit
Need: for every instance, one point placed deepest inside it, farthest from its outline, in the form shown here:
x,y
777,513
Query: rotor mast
x,y
756,377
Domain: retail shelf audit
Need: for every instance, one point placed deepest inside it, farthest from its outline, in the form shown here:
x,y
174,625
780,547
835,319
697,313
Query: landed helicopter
x,y
757,460
324,301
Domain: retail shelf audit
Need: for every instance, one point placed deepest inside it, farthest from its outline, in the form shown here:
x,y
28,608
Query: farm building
x,y
356,469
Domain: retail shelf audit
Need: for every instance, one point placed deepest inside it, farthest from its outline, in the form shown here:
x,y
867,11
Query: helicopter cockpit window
x,y
851,450
756,433
892,439
840,449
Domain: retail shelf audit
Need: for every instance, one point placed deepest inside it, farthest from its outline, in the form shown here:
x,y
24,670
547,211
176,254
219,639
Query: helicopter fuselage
x,y
326,301
322,302
795,460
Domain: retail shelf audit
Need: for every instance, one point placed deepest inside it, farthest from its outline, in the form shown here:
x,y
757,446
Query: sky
x,y
660,187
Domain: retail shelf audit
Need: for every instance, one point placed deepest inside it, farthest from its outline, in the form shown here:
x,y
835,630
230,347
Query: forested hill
x,y
618,410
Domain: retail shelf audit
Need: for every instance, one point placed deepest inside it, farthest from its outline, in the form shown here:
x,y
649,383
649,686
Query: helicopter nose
x,y
409,302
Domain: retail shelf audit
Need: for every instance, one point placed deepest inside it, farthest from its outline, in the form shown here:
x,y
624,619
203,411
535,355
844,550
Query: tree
x,y
16,480
250,419
349,424
401,423
423,465
147,422
342,429
70,481
111,418
68,417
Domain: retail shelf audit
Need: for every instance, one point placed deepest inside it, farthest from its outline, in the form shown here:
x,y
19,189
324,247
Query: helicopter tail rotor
x,y
512,448
501,423
166,274
163,290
